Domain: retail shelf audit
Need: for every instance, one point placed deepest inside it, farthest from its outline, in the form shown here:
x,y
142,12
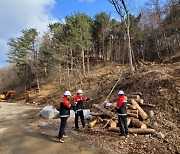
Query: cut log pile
x,y
107,117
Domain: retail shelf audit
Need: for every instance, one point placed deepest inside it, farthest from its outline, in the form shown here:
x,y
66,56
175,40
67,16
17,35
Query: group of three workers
x,y
77,106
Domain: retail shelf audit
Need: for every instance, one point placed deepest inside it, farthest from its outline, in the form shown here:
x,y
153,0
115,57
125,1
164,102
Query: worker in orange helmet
x,y
64,114
78,107
122,113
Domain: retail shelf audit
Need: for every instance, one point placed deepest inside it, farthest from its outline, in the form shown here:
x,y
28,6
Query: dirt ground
x,y
20,134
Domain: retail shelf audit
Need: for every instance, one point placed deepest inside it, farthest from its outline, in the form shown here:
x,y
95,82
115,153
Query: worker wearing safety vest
x,y
122,113
78,108
64,114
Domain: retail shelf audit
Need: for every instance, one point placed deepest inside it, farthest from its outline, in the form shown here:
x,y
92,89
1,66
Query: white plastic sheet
x,y
85,111
48,112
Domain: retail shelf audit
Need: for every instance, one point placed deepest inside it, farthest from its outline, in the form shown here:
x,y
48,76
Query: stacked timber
x,y
106,115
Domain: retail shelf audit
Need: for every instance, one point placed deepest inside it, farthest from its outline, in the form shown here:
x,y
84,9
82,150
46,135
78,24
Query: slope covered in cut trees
x,y
158,83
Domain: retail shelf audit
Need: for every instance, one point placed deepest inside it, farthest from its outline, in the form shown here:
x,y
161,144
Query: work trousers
x,y
122,122
62,127
81,115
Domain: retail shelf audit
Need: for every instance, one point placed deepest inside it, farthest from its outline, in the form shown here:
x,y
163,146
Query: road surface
x,y
18,135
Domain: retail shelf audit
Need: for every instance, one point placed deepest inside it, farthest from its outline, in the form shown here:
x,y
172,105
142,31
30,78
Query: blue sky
x,y
90,7
22,14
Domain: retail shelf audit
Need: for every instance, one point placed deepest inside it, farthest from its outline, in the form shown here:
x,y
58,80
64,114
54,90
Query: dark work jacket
x,y
78,100
122,103
122,109
64,110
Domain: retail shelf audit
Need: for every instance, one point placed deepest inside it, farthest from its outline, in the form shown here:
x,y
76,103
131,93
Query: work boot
x,y
122,134
61,140
65,136
127,134
84,127
77,129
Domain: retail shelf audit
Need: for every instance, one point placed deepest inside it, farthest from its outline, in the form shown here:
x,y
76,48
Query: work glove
x,y
116,109
87,99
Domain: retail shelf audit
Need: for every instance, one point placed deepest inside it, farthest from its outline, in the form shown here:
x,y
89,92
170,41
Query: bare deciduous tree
x,y
121,8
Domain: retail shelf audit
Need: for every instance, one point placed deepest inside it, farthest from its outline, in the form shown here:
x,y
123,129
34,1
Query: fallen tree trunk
x,y
140,101
110,122
138,123
133,107
141,111
133,115
135,130
132,96
96,113
142,130
132,111
105,111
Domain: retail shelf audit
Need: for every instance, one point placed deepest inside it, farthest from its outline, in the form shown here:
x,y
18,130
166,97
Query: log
x,y
105,111
135,130
133,96
92,123
112,123
142,130
141,111
133,115
132,111
131,107
96,113
128,121
138,123
140,101
128,111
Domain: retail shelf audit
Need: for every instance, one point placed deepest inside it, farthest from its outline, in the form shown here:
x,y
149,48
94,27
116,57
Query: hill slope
x,y
159,85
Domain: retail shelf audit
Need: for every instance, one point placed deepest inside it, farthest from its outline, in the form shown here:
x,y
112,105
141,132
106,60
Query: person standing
x,y
122,113
64,114
78,108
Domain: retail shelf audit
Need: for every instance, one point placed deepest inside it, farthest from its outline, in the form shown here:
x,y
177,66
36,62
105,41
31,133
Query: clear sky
x,y
16,15
90,7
